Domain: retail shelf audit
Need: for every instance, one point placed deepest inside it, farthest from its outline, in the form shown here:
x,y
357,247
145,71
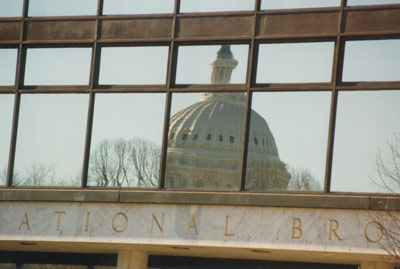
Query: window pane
x,y
137,7
8,66
371,2
6,114
373,60
58,66
205,141
295,62
367,124
51,139
215,5
286,4
133,65
11,8
288,141
127,135
62,7
195,64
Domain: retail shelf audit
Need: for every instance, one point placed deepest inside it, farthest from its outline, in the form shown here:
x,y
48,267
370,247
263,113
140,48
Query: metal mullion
x,y
170,81
251,70
19,81
94,77
336,78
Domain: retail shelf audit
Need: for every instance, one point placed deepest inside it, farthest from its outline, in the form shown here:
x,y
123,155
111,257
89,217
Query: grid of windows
x,y
96,99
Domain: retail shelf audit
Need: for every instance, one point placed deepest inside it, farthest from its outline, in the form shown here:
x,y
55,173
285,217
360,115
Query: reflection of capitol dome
x,y
205,141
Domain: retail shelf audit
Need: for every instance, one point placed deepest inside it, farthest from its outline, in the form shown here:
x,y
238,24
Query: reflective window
x,y
6,114
287,4
371,2
62,7
49,66
51,140
205,160
203,64
11,8
126,140
133,65
8,63
293,128
137,7
367,141
372,60
295,62
215,5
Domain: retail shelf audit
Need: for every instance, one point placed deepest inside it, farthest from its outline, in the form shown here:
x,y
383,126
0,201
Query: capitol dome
x,y
205,141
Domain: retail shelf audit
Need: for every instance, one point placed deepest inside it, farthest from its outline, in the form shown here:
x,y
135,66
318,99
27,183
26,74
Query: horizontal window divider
x,y
109,43
136,88
232,40
208,88
374,7
11,19
61,18
293,87
54,89
352,86
299,10
304,38
136,16
371,35
80,43
323,201
244,13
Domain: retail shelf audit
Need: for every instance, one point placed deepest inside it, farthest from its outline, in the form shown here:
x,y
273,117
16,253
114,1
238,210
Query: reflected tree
x,y
120,162
389,181
302,180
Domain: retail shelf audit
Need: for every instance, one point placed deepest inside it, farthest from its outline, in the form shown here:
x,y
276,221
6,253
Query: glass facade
x,y
229,98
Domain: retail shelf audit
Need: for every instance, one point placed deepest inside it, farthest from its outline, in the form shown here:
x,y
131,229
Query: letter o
x,y
380,227
126,222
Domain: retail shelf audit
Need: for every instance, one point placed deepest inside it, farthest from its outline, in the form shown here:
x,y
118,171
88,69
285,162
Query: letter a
x,y
25,221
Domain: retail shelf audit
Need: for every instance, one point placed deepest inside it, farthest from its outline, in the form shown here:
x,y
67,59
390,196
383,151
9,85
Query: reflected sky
x,y
215,5
137,7
286,4
11,8
8,63
48,66
381,64
6,113
135,65
365,122
51,139
295,62
62,7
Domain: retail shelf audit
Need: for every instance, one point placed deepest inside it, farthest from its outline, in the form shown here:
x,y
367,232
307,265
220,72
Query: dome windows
x,y
255,140
231,139
184,136
208,137
220,138
195,136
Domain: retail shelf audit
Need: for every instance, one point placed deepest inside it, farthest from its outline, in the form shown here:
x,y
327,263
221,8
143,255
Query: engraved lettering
x,y
87,221
226,227
296,225
333,227
192,224
24,221
154,218
59,218
380,228
126,222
